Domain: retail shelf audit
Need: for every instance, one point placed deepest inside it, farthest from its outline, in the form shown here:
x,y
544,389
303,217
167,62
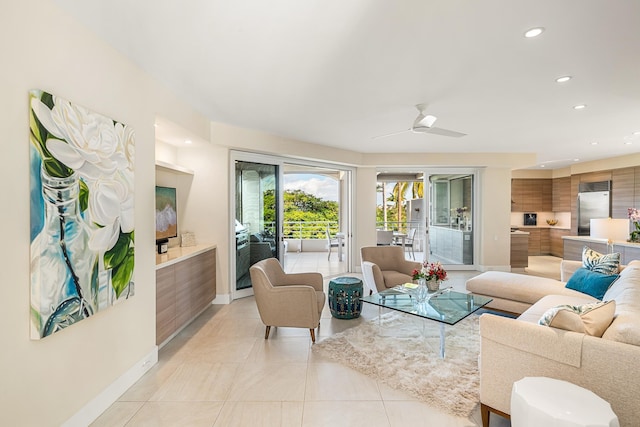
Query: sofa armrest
x,y
567,268
605,367
551,343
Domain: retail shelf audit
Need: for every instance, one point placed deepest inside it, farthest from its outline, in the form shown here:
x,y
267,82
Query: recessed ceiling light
x,y
628,143
576,160
563,79
579,107
542,166
637,132
534,32
594,143
187,141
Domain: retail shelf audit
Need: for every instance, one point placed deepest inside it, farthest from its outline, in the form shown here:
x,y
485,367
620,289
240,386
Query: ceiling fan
x,y
424,124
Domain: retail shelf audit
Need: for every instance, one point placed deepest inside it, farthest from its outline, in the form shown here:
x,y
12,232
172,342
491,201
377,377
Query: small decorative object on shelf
x,y
187,239
552,221
634,216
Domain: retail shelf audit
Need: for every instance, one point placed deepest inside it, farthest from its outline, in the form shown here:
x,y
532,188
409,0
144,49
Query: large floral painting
x,y
82,213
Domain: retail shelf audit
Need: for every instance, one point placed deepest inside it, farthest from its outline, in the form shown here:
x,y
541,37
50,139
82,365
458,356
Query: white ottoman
x,y
540,401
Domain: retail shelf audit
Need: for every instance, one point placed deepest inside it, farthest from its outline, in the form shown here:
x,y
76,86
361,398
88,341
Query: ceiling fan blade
x,y
438,131
391,134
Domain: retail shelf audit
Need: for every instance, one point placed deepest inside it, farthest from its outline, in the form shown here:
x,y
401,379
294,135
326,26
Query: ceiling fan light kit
x,y
424,124
426,121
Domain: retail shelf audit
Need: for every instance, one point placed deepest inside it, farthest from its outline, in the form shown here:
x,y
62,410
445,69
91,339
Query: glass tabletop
x,y
446,306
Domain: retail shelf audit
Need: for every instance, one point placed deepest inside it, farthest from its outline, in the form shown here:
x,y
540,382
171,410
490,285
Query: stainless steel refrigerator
x,y
594,201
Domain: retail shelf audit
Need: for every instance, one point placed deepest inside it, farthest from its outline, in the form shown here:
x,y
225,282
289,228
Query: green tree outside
x,y
302,207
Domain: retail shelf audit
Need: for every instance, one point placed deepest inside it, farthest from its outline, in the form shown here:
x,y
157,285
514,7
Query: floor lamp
x,y
610,229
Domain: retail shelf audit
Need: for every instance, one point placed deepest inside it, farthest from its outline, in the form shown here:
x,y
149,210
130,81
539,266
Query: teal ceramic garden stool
x,y
344,297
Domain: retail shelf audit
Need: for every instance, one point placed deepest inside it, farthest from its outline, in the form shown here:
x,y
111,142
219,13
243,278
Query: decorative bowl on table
x,y
552,221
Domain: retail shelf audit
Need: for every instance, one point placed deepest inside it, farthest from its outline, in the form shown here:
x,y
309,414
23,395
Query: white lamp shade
x,y
611,229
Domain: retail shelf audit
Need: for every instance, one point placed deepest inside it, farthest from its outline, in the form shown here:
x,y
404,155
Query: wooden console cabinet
x,y
185,286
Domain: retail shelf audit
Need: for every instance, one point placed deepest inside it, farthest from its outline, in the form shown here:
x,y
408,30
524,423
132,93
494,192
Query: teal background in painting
x,y
35,190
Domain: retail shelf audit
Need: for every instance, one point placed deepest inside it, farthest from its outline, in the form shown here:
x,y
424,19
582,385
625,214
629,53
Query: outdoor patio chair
x,y
408,242
384,237
331,242
288,300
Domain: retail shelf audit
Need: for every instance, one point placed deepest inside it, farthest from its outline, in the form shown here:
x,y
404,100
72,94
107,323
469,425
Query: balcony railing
x,y
299,230
401,226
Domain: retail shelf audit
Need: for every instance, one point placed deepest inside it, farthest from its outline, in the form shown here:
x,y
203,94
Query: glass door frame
x,y
347,194
475,211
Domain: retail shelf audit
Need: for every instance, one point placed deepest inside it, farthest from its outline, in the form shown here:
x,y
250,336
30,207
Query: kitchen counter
x,y
602,241
551,227
573,246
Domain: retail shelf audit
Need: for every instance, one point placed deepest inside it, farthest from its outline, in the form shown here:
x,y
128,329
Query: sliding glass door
x,y
296,211
257,215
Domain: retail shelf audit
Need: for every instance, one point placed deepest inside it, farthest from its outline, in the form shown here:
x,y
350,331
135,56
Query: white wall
x,y
46,382
207,208
495,216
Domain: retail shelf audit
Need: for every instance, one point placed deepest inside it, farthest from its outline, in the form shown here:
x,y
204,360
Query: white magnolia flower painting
x,y
82,213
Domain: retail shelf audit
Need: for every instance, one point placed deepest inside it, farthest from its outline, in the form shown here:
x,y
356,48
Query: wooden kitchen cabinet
x,y
557,244
185,286
516,195
165,303
539,241
561,194
531,195
534,241
622,191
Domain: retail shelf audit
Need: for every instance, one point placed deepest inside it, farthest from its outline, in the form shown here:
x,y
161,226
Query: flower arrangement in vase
x,y
432,273
634,216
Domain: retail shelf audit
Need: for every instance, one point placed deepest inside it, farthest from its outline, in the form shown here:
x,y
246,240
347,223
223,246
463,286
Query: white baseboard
x,y
222,299
92,410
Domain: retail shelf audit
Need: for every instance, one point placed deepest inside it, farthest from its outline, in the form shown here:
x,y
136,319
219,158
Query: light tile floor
x,y
220,371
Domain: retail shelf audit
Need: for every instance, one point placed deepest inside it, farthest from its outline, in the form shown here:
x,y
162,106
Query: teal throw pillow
x,y
595,261
591,282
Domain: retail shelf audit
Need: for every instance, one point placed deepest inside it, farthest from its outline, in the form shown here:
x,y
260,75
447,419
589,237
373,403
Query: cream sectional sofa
x,y
512,349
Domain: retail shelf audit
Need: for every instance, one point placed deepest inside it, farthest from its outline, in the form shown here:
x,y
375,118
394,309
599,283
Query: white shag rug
x,y
403,351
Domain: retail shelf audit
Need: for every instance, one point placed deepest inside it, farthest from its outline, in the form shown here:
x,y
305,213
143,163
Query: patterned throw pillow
x,y
591,319
600,263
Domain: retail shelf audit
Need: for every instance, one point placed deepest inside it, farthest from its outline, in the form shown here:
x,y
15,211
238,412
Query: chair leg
x,y
484,412
266,332
313,335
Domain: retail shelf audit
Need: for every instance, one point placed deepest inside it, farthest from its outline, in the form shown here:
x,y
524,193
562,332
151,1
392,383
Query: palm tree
x,y
398,193
417,190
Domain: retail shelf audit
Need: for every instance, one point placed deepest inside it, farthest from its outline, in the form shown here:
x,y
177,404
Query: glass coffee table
x,y
445,306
